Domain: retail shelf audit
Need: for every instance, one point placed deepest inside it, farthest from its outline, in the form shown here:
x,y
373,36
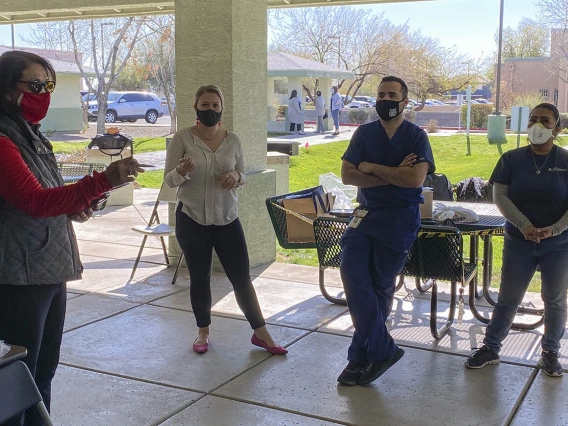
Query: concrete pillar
x,y
325,87
271,109
223,42
295,83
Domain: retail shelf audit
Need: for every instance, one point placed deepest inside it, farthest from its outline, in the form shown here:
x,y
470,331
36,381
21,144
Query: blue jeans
x,y
520,260
335,116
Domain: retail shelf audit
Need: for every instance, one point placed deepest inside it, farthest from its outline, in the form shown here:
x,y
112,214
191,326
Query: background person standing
x,y
336,106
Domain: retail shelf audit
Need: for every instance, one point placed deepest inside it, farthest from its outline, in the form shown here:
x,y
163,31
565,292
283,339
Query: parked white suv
x,y
129,106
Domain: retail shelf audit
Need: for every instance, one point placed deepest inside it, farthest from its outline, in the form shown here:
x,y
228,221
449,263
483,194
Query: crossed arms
x,y
368,175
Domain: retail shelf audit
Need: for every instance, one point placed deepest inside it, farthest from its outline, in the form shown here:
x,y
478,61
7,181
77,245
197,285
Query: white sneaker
x,y
301,133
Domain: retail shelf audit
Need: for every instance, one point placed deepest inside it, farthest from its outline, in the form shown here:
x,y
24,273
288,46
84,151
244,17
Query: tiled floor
x,y
127,359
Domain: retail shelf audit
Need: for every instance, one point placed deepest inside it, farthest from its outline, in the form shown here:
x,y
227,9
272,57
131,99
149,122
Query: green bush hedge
x,y
358,115
564,120
478,117
281,111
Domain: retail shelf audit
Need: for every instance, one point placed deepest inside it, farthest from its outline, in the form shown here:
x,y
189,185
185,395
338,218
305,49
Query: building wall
x,y
65,113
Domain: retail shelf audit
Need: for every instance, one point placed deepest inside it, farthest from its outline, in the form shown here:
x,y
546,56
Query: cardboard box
x,y
426,208
301,231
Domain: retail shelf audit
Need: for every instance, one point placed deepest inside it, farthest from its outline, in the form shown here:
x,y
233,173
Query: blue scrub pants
x,y
372,256
335,116
520,259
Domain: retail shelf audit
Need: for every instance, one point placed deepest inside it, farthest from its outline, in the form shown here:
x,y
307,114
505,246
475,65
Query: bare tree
x,y
123,37
349,38
528,40
554,14
158,55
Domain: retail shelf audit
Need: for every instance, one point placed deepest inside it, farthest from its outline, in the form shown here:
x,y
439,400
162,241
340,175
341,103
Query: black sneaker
x,y
549,363
351,373
482,357
376,369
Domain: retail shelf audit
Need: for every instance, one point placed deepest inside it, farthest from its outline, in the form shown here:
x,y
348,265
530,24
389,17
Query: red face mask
x,y
34,106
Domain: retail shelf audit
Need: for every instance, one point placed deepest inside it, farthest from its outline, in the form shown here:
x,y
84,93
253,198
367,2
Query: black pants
x,y
197,243
298,126
32,316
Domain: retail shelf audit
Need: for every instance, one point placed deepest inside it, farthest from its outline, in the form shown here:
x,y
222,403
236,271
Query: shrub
x,y
529,99
479,114
281,111
410,115
563,120
358,115
373,116
432,126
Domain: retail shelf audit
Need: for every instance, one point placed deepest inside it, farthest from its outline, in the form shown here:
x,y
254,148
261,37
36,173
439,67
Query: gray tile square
x,y
154,343
225,412
423,388
87,398
92,307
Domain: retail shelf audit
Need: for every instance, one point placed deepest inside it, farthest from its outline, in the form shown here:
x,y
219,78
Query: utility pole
x,y
13,41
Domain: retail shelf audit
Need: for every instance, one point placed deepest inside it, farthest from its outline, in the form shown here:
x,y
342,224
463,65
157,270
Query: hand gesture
x,y
81,217
365,167
229,180
185,166
408,161
123,171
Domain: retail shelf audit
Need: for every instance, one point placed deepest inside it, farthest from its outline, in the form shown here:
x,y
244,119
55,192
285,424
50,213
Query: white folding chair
x,y
160,230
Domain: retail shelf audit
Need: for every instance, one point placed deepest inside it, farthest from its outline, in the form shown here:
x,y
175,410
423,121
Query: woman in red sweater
x,y
38,249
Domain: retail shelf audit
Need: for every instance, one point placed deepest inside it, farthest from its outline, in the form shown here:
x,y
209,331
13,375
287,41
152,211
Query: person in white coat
x,y
295,113
320,112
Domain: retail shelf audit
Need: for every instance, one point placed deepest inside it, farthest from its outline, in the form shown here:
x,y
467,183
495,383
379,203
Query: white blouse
x,y
203,198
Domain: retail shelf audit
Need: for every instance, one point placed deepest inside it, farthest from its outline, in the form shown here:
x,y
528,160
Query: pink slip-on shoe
x,y
201,349
274,350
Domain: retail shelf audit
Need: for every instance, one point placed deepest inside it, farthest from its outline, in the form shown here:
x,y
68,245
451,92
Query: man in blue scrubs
x,y
388,160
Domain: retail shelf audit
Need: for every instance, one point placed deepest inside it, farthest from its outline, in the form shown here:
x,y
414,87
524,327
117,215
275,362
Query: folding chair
x,y
437,254
157,229
19,392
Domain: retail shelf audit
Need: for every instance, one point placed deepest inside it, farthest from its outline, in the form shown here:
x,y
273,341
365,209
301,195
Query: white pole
x,y
468,97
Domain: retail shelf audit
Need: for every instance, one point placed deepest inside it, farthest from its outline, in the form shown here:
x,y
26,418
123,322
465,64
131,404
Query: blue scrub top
x,y
370,143
542,198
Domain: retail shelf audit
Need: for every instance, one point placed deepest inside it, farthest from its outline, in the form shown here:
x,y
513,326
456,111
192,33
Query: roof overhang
x,y
29,11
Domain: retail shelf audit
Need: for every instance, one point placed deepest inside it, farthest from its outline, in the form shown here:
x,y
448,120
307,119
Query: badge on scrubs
x,y
358,216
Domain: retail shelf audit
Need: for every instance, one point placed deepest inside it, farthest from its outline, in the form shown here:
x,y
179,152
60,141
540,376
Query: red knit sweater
x,y
20,188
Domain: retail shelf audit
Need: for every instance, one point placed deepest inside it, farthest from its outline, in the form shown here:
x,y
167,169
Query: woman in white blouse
x,y
206,163
295,113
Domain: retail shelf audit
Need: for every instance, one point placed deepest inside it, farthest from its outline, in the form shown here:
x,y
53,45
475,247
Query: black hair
x,y
397,80
552,108
13,63
293,94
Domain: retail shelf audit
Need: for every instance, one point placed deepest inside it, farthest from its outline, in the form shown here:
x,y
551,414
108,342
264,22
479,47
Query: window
x,y
555,97
544,94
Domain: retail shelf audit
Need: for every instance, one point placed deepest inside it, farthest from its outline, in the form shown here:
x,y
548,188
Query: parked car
x,y
358,104
346,99
435,102
369,99
164,102
482,101
129,106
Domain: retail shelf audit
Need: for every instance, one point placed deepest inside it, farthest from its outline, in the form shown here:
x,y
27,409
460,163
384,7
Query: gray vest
x,y
35,250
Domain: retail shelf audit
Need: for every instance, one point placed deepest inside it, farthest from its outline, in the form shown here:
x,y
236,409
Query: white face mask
x,y
538,134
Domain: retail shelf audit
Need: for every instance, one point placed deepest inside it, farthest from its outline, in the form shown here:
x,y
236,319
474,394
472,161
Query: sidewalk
x,y
126,357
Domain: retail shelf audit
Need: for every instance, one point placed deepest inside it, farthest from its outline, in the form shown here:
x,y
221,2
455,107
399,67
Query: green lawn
x,y
451,159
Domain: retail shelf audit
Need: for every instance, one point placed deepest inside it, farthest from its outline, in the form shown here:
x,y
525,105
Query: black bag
x,y
116,141
443,190
325,115
474,190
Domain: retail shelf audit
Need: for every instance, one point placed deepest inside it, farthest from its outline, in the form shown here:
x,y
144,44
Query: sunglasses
x,y
37,86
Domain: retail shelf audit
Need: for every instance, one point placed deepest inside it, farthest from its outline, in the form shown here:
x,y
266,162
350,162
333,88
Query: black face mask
x,y
387,109
209,117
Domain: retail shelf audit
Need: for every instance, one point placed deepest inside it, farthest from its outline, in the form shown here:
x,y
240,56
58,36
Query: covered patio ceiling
x,y
28,11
